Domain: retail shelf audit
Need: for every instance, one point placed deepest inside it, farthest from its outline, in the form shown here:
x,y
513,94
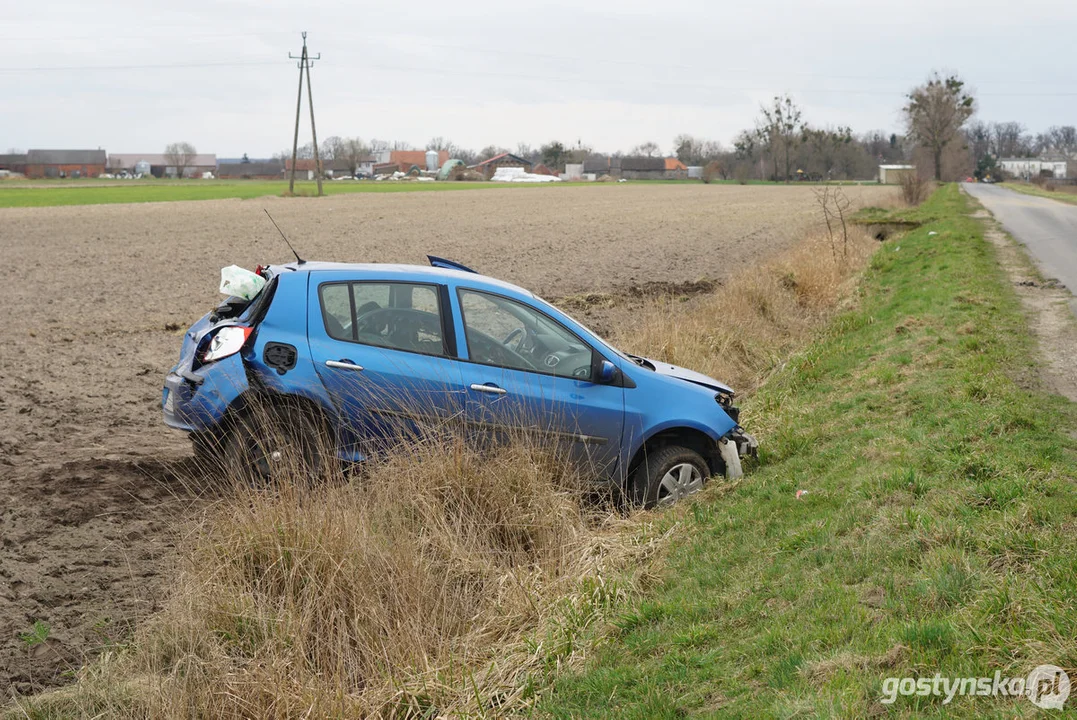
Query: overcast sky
x,y
133,75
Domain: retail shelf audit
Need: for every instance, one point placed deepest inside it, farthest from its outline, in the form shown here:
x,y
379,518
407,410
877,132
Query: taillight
x,y
226,341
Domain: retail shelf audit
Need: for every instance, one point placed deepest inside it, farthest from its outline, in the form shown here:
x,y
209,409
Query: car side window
x,y
507,333
401,316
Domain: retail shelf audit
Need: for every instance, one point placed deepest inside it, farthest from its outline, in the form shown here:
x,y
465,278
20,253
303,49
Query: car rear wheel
x,y
668,475
276,444
207,450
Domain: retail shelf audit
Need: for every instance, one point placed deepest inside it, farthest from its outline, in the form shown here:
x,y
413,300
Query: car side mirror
x,y
607,372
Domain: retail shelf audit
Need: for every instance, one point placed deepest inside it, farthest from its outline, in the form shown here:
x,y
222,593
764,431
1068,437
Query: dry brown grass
x,y
446,580
915,188
752,323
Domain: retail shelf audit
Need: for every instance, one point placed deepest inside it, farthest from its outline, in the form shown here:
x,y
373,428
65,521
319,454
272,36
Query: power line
x,y
579,80
485,50
170,34
161,66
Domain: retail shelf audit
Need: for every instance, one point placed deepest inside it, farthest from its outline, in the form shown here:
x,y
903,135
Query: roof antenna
x,y
299,260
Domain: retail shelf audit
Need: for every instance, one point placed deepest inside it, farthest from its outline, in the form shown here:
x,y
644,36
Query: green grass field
x,y
85,193
1066,194
45,193
937,535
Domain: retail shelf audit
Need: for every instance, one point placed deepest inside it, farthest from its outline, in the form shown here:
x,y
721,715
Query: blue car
x,y
363,352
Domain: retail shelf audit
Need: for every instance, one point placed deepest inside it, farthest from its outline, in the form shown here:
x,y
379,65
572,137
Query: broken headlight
x,y
726,401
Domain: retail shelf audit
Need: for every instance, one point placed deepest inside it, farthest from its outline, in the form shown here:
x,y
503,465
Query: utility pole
x,y
304,65
313,130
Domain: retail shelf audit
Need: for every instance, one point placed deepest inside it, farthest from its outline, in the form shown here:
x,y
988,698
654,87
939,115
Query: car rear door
x,y
384,351
540,380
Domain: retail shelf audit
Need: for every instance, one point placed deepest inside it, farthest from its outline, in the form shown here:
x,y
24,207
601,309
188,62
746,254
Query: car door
x,y
384,351
525,370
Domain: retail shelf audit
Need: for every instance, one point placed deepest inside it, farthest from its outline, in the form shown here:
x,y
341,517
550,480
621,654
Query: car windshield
x,y
599,339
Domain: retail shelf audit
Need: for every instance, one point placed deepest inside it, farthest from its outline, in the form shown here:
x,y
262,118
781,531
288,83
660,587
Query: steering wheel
x,y
518,334
489,350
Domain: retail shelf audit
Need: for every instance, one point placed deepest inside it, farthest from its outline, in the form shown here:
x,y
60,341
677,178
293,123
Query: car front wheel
x,y
668,475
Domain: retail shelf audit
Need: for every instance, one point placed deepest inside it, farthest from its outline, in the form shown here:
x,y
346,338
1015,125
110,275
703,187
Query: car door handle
x,y
494,389
343,365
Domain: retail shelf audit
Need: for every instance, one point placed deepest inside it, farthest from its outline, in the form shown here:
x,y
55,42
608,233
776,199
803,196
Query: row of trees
x,y
939,137
989,141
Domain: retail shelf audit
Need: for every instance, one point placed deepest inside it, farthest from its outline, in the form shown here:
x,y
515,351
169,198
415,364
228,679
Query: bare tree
x,y
439,143
648,149
1062,139
1009,139
825,148
465,155
553,154
491,151
778,132
330,148
352,151
180,155
691,150
936,112
527,152
836,207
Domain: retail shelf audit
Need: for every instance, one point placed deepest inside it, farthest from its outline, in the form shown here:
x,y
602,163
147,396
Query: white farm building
x,y
1028,168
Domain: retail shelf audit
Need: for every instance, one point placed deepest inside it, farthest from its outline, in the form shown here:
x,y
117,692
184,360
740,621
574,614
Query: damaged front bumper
x,y
747,445
735,445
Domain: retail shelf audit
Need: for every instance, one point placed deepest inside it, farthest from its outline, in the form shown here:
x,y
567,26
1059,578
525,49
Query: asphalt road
x,y
1048,228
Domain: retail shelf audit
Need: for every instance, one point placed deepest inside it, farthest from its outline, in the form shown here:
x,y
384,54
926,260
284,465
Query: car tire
x,y
276,444
667,475
207,450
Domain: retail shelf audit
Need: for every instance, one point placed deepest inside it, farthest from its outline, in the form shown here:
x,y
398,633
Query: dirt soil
x,y
95,489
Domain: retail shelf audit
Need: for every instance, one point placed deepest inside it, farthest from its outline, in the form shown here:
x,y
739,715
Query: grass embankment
x,y
938,533
1062,193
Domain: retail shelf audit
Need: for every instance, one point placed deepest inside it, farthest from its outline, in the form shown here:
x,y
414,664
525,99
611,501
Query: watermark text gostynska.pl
x,y
1047,686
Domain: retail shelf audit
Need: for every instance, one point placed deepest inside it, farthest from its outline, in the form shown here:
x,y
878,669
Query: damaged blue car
x,y
363,352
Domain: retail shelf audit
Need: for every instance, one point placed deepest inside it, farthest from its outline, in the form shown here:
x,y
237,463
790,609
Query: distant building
x,y
675,169
408,158
161,165
649,168
270,170
573,171
596,164
339,167
892,174
387,168
1029,168
65,163
490,166
13,162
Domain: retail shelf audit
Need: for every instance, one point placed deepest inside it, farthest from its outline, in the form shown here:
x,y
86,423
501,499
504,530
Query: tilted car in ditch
x,y
360,351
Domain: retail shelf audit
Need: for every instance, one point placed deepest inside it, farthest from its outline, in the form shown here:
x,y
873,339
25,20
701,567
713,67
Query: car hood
x,y
685,374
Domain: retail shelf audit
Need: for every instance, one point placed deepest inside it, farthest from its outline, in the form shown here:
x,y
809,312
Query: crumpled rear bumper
x,y
198,401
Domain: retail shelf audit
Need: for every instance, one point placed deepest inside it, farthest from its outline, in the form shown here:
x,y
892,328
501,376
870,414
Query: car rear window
x,y
400,316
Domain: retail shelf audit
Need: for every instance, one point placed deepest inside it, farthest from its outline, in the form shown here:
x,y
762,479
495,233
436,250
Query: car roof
x,y
395,271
